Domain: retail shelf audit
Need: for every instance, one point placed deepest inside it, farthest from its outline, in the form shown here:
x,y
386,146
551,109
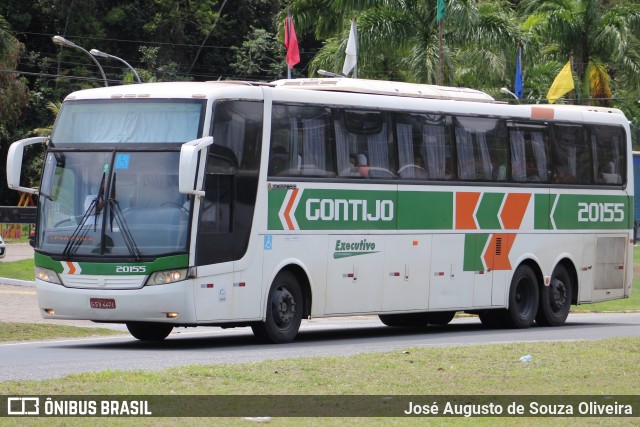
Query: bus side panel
x,y
355,269
405,281
214,293
304,250
451,287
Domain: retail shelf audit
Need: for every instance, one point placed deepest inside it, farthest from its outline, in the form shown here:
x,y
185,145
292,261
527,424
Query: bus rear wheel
x,y
555,299
284,311
523,298
408,320
146,331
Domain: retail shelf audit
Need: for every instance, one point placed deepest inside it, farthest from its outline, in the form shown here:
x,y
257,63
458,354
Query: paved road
x,y
321,337
17,252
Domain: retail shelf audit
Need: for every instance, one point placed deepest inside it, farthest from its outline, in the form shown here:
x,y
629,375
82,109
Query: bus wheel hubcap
x,y
285,306
557,295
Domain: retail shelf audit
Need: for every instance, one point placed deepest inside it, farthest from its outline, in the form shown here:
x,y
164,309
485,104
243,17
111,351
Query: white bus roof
x,y
241,89
203,89
380,87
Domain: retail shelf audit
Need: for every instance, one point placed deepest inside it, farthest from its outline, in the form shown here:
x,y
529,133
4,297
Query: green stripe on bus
x,y
110,268
542,207
589,212
474,244
275,199
425,210
487,213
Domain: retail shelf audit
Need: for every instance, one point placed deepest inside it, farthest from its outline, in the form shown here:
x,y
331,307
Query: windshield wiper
x,y
96,205
114,208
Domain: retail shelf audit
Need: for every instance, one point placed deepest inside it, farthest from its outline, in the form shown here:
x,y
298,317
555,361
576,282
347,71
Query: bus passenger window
x,y
608,150
529,153
363,146
572,158
425,147
481,148
301,142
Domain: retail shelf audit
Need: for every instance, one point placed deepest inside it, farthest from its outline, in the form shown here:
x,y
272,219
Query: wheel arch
x,y
302,276
533,264
569,265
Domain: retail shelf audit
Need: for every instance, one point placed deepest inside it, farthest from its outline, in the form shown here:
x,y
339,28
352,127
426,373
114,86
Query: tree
x,y
13,96
603,41
399,39
261,57
13,91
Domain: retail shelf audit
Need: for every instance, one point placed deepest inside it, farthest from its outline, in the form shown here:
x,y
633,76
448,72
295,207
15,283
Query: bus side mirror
x,y
14,163
188,173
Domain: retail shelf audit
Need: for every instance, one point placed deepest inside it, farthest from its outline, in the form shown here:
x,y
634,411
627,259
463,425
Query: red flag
x,y
291,42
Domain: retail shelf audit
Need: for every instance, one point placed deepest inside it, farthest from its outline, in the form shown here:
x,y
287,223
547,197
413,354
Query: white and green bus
x,y
261,204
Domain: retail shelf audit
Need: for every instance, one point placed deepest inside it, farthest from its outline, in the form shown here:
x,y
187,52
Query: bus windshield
x,y
122,204
131,121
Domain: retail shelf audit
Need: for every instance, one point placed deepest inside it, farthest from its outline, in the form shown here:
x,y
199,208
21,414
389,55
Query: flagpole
x,y
441,11
355,67
440,71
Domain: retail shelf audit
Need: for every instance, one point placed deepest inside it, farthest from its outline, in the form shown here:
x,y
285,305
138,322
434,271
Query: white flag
x,y
351,58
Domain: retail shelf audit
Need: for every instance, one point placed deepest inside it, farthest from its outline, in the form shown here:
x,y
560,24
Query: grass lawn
x,y
20,270
10,331
558,368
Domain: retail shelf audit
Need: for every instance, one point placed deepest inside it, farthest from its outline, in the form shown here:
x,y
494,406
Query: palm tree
x,y
604,43
399,39
13,91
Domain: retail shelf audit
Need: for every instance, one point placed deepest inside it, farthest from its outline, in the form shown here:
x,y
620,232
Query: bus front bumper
x,y
171,303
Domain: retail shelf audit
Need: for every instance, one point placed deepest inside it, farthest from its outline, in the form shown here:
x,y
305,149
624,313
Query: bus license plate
x,y
104,303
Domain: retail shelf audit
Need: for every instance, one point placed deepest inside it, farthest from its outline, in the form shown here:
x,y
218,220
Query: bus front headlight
x,y
167,276
47,275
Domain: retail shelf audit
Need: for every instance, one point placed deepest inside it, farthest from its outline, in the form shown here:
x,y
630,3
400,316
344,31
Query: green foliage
x,y
13,91
261,56
603,40
19,270
169,40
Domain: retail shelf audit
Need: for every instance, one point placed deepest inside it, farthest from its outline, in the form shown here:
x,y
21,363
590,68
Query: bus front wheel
x,y
284,311
555,299
523,298
149,331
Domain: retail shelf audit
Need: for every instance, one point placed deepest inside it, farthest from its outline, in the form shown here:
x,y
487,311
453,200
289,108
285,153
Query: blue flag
x,y
518,88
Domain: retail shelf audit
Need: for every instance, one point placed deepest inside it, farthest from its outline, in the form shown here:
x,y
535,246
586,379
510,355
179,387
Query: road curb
x,y
16,282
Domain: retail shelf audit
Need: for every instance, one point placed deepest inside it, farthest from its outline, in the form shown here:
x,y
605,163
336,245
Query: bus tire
x,y
284,311
523,298
440,318
148,331
555,299
408,320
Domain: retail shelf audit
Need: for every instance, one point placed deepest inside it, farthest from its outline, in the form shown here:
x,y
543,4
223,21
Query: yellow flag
x,y
561,85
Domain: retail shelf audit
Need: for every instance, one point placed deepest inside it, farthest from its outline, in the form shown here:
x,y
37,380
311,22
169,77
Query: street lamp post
x,y
61,41
508,92
96,52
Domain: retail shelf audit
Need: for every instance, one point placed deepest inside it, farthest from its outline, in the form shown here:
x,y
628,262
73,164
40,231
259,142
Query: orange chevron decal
x,y
465,207
496,257
287,211
72,267
513,210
